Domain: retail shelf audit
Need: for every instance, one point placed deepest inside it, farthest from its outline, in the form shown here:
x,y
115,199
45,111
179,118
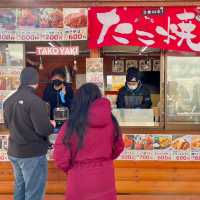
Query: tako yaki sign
x,y
43,24
55,51
172,28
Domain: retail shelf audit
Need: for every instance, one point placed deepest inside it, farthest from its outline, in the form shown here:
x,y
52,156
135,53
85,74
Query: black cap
x,y
29,76
132,73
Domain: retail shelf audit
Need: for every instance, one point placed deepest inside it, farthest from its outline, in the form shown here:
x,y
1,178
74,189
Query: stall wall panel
x,y
131,177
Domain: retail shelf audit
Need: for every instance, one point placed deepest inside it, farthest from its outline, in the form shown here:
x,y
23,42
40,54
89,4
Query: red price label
x,y
126,157
145,157
76,36
53,37
7,37
29,37
196,157
3,157
181,157
164,157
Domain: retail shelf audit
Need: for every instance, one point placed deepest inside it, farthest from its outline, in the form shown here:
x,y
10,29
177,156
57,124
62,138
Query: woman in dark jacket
x,y
58,93
87,145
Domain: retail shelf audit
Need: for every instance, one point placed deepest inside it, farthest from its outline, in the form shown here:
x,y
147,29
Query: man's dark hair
x,y
59,71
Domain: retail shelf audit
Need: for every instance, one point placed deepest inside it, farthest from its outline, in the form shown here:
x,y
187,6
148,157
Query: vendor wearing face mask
x,y
133,94
58,93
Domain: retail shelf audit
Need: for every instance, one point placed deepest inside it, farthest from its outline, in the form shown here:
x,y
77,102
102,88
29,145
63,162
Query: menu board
x,y
142,147
195,147
43,24
11,65
94,72
161,147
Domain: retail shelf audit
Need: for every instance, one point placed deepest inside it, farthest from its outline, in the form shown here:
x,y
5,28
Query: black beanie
x,y
132,73
29,76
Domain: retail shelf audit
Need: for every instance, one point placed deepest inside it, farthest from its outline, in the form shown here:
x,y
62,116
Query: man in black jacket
x,y
133,94
26,117
58,93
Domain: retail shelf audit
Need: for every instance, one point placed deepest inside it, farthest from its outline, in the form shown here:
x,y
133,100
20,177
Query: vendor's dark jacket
x,y
138,98
26,117
53,98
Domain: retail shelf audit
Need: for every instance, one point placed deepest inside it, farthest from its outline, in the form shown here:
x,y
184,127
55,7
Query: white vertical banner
x,y
94,72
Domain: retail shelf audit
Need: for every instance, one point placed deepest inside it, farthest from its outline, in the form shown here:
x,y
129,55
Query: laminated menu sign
x,y
11,65
181,147
11,55
128,153
162,147
9,78
138,147
43,24
195,148
35,24
143,146
7,24
3,147
94,72
75,23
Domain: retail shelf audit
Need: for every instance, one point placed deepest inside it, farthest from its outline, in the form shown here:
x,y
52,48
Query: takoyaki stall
x,y
160,39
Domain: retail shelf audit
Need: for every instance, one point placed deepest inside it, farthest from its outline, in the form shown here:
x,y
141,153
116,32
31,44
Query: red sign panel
x,y
172,28
63,51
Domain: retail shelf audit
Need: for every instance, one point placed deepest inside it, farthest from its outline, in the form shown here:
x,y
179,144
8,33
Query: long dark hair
x,y
77,122
78,117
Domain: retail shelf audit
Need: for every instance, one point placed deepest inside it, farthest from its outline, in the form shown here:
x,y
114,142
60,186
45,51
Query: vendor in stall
x,y
58,93
133,94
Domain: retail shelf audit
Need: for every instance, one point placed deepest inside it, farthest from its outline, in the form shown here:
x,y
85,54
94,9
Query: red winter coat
x,y
91,177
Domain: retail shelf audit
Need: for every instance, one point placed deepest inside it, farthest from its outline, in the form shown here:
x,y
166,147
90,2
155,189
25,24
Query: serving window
x,y
117,60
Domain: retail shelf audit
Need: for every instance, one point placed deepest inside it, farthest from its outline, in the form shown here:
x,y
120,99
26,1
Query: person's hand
x,y
53,123
63,90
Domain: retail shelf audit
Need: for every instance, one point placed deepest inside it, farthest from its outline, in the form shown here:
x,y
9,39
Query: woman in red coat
x,y
87,145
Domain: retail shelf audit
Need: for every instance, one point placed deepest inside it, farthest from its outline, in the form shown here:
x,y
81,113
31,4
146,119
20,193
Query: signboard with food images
x,y
7,24
195,148
137,147
43,24
9,78
161,147
181,147
162,144
75,23
11,65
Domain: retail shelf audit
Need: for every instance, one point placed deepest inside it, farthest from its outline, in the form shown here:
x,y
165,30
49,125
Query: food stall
x,y
162,144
